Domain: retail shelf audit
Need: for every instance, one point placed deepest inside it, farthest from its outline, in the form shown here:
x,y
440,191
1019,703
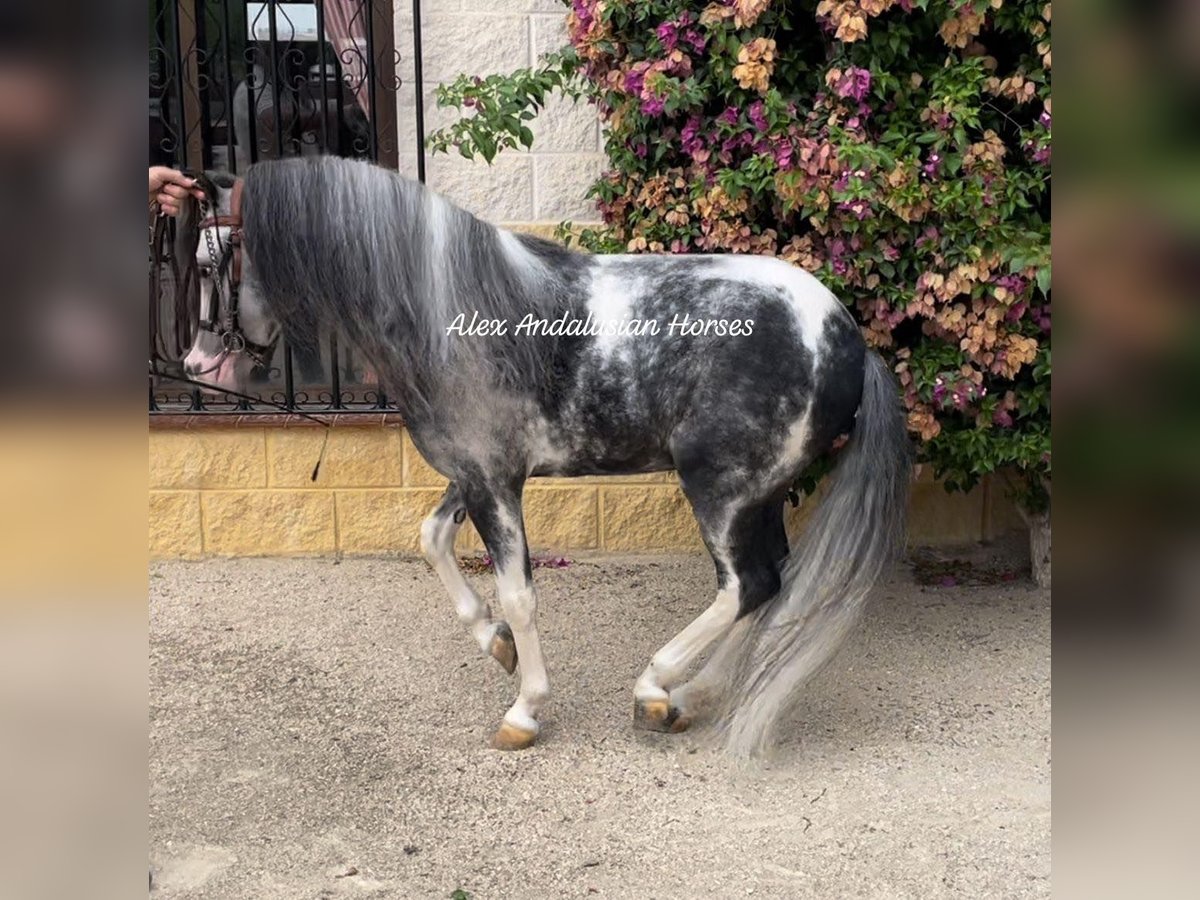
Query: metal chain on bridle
x,y
223,318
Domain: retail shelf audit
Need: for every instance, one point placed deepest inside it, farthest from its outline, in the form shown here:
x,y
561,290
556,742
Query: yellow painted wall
x,y
246,491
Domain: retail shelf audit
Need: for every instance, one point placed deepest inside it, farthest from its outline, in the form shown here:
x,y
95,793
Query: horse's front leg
x,y
437,542
497,516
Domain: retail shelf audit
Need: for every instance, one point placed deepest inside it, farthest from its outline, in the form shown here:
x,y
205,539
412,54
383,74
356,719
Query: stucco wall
x,y
483,37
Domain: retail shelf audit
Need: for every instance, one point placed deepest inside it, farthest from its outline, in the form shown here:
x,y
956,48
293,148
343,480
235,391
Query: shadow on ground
x,y
319,730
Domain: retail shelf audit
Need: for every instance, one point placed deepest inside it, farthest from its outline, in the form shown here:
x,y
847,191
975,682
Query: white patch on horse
x,y
798,433
610,299
812,302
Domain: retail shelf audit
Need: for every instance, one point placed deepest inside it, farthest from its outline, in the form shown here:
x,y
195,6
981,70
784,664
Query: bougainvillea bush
x,y
897,149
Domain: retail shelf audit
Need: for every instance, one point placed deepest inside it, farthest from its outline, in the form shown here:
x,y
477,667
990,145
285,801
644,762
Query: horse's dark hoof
x,y
504,648
659,715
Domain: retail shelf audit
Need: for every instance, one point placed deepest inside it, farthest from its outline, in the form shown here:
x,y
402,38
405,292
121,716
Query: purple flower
x,y
689,137
583,12
1014,284
855,83
668,33
1041,316
1002,417
757,114
934,164
859,208
633,82
652,105
729,116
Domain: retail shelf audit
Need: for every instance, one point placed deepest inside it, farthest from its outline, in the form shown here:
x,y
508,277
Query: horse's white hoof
x,y
510,737
503,648
659,715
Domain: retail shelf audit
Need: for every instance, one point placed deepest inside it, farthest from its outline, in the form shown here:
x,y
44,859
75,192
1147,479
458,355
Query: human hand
x,y
168,188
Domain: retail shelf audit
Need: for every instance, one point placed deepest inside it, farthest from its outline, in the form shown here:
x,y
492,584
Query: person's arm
x,y
168,187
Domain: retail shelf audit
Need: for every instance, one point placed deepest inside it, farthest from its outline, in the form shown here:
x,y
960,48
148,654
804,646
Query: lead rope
x,y
293,412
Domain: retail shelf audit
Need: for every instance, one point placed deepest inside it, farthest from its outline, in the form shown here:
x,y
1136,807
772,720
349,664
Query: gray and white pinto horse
x,y
737,410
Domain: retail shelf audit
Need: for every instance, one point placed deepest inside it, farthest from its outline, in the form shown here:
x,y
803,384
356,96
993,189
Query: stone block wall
x,y
483,37
246,491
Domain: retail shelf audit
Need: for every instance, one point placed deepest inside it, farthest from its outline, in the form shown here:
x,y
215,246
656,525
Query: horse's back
x,y
727,352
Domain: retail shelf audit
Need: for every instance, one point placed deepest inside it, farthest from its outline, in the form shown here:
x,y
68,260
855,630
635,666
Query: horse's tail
x,y
855,532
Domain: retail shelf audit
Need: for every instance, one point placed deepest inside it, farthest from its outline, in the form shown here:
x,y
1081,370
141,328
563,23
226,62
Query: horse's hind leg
x,y
744,544
497,516
759,554
437,541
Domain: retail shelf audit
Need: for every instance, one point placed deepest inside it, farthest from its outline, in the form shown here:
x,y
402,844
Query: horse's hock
x,y
219,490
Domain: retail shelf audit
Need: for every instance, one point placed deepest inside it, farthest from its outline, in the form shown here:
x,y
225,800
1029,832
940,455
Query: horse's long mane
x,y
344,244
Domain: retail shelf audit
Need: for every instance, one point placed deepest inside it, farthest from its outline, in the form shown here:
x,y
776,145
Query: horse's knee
x,y
432,542
520,606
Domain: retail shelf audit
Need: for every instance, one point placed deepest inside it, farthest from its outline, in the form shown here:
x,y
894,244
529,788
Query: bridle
x,y
222,319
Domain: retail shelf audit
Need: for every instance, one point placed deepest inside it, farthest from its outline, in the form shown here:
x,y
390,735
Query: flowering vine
x,y
898,149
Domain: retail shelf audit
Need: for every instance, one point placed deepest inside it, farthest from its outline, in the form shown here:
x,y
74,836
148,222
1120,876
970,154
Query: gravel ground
x,y
319,730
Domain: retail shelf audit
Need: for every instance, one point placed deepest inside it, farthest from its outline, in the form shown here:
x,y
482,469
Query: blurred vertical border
x,y
73,217
1127,440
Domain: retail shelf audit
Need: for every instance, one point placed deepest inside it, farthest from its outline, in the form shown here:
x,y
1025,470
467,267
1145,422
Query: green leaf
x,y
1043,280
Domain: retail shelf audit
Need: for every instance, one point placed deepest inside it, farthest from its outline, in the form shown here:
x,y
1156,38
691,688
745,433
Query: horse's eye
x,y
205,271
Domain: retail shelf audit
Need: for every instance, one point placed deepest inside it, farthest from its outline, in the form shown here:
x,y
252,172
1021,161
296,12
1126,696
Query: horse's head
x,y
236,332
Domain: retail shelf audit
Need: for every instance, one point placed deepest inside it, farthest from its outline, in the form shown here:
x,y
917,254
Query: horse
x,y
510,357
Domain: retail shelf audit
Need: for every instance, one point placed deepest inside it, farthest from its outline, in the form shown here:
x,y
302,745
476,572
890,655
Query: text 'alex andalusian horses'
x,y
510,357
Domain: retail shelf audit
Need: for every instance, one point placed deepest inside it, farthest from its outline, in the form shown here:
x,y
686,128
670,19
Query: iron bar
x,y
419,90
187,59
